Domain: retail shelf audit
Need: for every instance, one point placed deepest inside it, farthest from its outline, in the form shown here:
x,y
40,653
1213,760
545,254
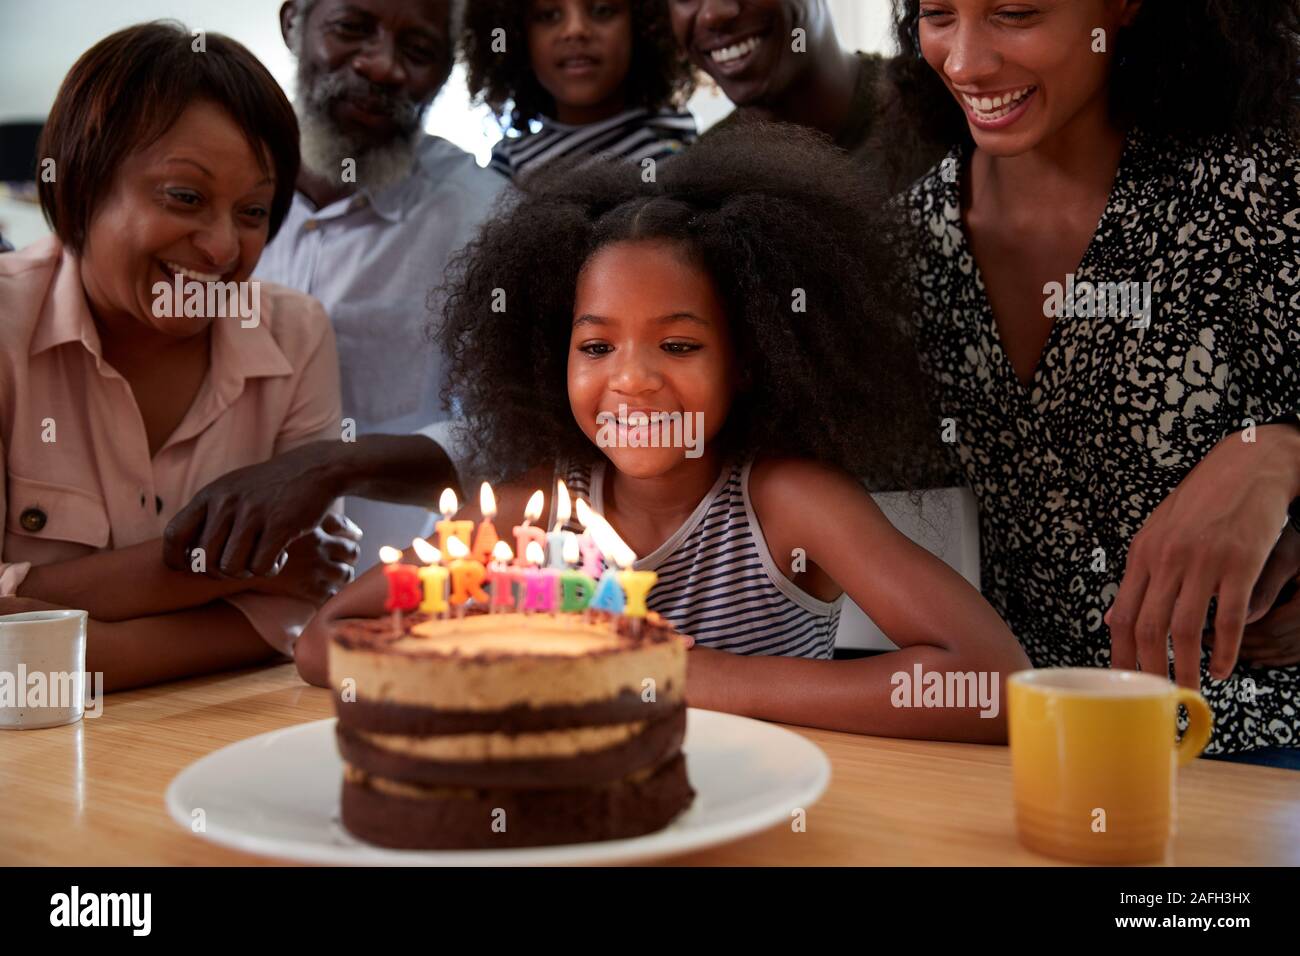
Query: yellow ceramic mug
x,y
1093,754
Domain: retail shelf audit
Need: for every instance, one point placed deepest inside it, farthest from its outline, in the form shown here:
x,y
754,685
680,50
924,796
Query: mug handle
x,y
1200,724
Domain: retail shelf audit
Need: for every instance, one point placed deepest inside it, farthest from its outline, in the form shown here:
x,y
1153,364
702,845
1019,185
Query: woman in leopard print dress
x,y
1177,327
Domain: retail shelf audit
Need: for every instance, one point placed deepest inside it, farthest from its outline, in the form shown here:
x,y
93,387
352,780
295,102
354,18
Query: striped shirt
x,y
632,135
717,580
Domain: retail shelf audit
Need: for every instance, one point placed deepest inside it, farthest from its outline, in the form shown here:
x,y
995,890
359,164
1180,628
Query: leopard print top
x,y
1067,469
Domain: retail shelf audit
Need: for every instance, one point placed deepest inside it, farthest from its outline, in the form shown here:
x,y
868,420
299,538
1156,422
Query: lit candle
x,y
446,528
635,585
434,578
467,575
569,551
539,583
486,538
555,539
525,533
576,588
502,577
609,594
403,585
576,591
587,543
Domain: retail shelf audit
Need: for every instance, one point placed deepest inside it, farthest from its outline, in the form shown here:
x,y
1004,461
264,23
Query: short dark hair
x,y
765,209
128,89
659,75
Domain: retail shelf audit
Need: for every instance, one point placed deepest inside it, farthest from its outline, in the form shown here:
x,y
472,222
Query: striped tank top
x,y
717,580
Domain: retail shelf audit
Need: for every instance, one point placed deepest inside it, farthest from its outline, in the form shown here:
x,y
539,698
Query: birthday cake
x,y
509,729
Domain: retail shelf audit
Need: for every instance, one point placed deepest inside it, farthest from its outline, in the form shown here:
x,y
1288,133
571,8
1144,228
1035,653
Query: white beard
x,y
324,149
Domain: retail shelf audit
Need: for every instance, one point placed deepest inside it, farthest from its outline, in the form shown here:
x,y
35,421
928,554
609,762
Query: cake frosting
x,y
509,729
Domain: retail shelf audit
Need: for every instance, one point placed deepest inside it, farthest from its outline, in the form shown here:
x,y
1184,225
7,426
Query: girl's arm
x,y
162,647
930,611
365,596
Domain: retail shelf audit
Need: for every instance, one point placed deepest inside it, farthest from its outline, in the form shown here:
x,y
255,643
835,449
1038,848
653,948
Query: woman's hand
x,y
319,563
1209,538
1272,635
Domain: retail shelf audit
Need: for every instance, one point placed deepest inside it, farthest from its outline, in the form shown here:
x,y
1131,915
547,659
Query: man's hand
x,y
1209,538
319,563
246,518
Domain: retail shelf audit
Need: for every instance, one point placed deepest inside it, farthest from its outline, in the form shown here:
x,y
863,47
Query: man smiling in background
x,y
751,50
380,209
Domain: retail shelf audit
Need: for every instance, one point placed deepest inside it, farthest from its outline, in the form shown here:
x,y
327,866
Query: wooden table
x,y
92,793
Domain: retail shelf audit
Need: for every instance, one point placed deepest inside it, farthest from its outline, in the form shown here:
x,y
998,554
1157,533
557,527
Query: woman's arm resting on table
x,y
130,583
938,620
162,647
122,584
149,650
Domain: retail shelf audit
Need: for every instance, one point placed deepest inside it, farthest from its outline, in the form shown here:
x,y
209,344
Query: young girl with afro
x,y
574,78
744,290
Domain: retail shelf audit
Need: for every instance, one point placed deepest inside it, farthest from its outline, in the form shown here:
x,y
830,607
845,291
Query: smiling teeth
x,y
735,52
180,270
991,108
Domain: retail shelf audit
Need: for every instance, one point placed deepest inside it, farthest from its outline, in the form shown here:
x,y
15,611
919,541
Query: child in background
x,y
578,78
742,290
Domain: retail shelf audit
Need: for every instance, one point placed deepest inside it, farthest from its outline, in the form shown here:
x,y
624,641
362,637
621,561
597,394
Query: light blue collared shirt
x,y
372,259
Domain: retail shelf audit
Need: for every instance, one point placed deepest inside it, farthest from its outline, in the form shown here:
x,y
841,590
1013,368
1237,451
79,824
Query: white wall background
x,y
41,39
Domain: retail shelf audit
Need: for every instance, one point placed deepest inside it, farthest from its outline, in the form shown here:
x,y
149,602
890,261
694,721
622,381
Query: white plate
x,y
277,794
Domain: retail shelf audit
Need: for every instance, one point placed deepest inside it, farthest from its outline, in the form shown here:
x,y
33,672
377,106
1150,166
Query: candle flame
x,y
456,547
563,508
487,502
569,550
448,503
533,510
607,539
389,555
425,551
534,553
501,552
584,512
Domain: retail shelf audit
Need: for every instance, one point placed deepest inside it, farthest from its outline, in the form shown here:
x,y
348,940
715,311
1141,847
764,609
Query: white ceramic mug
x,y
42,669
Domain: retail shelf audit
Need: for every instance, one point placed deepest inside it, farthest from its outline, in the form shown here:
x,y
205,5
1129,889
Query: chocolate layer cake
x,y
508,729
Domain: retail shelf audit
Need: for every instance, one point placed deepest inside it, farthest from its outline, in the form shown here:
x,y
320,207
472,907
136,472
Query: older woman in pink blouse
x,y
118,402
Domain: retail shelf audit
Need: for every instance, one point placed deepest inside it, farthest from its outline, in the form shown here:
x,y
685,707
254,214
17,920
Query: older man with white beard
x,y
379,210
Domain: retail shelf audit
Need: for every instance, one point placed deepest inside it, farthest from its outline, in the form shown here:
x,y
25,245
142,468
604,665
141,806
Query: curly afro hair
x,y
659,75
1186,68
767,210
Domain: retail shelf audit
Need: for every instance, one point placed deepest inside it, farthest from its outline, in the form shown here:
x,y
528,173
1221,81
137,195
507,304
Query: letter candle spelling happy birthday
x,y
502,577
524,533
403,585
485,540
525,585
556,539
448,505
467,576
433,576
